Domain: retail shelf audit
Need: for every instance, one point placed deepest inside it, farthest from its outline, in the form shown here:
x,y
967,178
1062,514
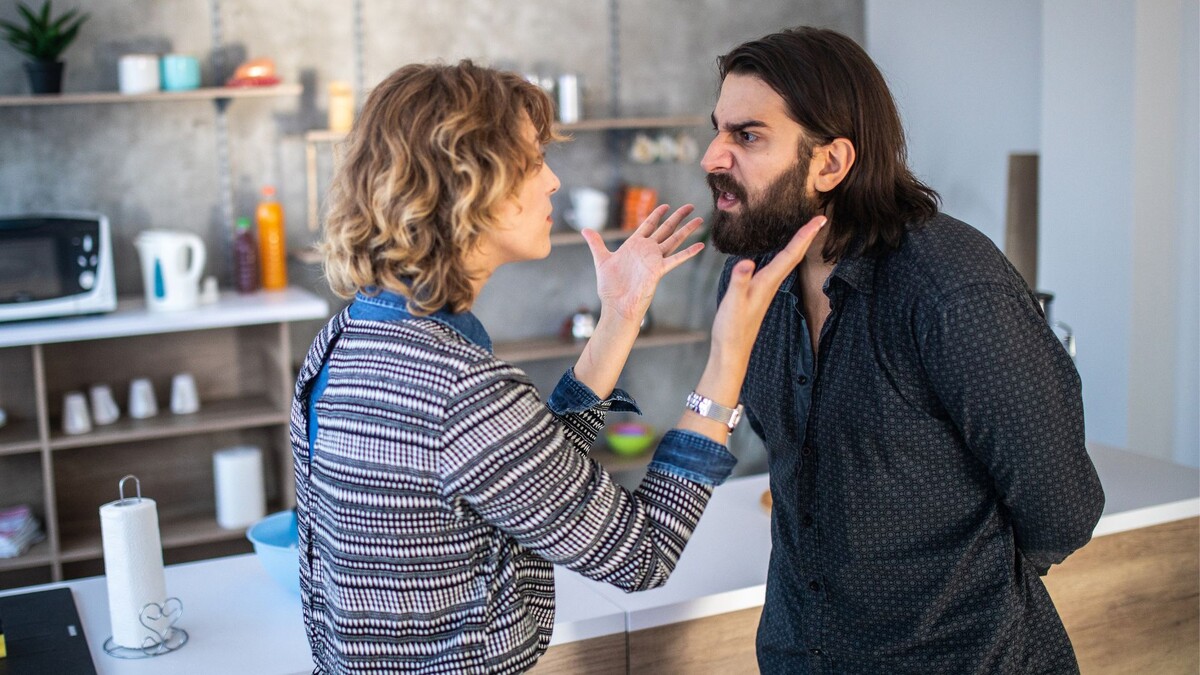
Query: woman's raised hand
x,y
750,292
627,278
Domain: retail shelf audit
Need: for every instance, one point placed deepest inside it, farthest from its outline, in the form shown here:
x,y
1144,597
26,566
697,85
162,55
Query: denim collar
x,y
382,305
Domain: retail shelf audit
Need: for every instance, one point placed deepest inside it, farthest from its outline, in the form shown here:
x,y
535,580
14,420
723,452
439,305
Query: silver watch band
x,y
706,407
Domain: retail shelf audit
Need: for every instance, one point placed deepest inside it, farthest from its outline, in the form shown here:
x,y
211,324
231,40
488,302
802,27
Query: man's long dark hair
x,y
834,90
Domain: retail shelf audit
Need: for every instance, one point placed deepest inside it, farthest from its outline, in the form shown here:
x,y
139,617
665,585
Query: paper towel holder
x,y
170,638
121,490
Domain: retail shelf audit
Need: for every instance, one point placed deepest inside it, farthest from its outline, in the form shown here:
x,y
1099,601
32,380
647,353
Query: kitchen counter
x,y
240,621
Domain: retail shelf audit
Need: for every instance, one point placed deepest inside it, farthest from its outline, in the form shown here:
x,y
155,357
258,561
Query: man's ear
x,y
832,162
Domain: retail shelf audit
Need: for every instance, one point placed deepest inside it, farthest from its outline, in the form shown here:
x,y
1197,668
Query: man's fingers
x,y
664,231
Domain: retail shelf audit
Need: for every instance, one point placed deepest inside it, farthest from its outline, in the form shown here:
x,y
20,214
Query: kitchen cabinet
x,y
238,349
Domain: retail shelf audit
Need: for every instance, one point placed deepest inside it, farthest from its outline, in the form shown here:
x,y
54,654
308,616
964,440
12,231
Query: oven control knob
x,y
87,243
87,279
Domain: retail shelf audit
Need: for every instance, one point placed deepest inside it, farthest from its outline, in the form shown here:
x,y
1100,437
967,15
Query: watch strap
x,y
706,407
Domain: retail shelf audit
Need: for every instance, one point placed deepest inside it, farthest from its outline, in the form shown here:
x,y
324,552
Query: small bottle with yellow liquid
x,y
272,241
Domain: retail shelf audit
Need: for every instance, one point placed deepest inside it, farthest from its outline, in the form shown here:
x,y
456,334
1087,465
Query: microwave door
x,y
31,269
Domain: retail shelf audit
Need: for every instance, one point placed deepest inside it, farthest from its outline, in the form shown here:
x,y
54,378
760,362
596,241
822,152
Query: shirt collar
x,y
388,306
858,271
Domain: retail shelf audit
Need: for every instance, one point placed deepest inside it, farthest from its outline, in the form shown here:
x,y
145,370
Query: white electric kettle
x,y
172,263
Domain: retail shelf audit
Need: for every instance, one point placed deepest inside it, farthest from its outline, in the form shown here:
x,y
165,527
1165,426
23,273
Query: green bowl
x,y
629,439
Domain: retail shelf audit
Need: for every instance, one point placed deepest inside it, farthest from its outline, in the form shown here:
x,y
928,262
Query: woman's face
x,y
525,219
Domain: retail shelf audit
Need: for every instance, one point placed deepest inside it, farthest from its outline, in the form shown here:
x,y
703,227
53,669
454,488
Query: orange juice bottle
x,y
272,241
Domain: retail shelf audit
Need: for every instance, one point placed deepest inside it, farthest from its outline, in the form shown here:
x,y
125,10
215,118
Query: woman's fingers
x,y
595,244
671,243
648,225
773,273
683,256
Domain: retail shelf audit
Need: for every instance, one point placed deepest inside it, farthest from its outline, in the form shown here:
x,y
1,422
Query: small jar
x,y
341,107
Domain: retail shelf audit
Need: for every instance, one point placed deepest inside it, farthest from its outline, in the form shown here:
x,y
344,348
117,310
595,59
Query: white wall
x,y
967,79
1106,92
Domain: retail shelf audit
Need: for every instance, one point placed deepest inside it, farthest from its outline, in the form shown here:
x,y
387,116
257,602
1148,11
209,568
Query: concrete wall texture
x,y
154,164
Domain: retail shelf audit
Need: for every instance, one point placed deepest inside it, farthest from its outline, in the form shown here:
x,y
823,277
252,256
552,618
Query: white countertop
x,y
240,621
132,318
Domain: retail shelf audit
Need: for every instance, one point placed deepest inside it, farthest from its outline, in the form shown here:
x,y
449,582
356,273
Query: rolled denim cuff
x,y
690,455
572,396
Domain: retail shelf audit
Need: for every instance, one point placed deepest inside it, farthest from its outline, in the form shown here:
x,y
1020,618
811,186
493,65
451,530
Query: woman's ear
x,y
832,162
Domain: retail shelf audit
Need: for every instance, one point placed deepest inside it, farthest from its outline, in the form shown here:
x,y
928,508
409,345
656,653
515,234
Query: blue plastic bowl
x,y
276,542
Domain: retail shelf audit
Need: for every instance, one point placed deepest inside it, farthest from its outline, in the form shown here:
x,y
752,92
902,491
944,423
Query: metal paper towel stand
x,y
169,638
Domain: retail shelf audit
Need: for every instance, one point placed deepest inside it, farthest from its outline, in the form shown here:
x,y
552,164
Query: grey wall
x,y
1107,94
154,164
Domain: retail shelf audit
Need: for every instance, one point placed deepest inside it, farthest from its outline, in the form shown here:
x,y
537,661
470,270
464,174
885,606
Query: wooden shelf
x,y
626,123
36,556
176,533
19,436
203,94
599,124
236,413
553,347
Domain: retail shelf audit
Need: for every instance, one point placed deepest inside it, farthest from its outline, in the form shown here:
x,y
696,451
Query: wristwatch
x,y
706,407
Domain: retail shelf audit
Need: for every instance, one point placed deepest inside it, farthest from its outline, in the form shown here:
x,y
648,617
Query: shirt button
x,y
814,586
807,520
806,450
803,379
814,651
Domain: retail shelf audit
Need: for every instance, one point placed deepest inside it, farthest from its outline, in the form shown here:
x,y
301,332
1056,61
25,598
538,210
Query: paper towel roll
x,y
133,567
238,480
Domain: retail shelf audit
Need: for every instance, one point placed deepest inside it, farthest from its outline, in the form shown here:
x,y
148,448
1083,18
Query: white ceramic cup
x,y
104,406
184,399
138,73
75,417
589,209
142,403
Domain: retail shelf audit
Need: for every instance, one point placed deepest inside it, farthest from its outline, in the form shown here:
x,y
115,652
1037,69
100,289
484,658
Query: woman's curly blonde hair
x,y
435,151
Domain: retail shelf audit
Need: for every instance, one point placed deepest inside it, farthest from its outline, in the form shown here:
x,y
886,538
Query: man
x,y
923,424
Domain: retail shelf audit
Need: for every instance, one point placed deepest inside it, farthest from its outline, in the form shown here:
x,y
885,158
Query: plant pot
x,y
45,77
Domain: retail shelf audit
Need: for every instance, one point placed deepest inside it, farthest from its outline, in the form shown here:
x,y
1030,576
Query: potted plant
x,y
43,39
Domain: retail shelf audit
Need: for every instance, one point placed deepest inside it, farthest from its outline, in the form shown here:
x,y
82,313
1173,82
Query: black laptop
x,y
44,635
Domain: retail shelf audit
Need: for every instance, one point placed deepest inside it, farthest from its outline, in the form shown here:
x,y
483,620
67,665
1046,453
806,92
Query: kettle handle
x,y
196,244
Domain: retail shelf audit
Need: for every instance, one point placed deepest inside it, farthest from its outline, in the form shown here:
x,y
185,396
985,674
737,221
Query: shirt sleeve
x,y
1014,394
581,411
504,457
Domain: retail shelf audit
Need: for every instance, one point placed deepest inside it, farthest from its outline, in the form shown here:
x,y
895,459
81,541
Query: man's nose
x,y
716,157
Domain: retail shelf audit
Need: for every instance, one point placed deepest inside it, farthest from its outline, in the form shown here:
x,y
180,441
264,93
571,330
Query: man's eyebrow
x,y
735,127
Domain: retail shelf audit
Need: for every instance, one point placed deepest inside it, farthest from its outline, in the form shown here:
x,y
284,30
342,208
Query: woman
x,y
434,488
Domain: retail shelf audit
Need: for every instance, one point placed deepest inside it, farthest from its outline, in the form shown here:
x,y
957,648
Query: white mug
x,y
75,418
589,209
104,406
138,73
142,403
184,399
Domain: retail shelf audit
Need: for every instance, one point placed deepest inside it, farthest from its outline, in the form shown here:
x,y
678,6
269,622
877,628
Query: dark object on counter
x,y
245,258
44,635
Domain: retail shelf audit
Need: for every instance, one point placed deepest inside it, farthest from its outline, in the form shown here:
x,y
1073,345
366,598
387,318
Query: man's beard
x,y
768,223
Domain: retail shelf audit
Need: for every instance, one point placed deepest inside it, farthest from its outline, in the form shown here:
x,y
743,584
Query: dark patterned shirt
x,y
926,467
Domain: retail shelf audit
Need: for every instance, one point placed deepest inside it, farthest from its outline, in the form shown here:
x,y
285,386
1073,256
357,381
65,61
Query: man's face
x,y
758,169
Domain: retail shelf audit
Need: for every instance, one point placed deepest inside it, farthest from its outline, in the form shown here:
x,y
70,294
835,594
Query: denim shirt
x,y
683,453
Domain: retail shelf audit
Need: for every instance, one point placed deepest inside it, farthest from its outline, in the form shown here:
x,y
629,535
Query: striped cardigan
x,y
440,492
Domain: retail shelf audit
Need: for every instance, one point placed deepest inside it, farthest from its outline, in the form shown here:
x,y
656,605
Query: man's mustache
x,y
722,182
